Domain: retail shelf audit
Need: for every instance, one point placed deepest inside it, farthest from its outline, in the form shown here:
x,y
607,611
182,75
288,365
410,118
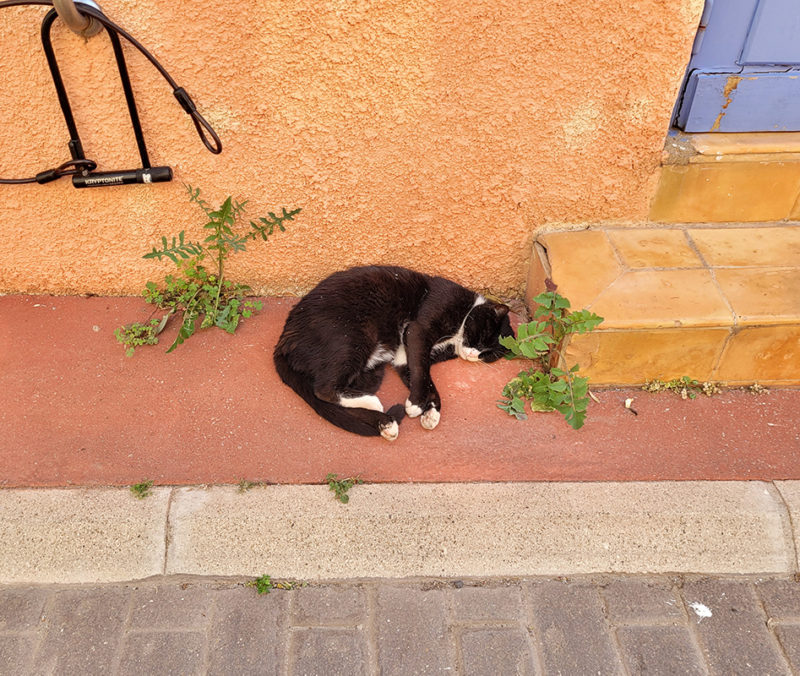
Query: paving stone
x,y
245,632
496,651
642,600
170,607
735,639
328,605
472,604
163,652
571,629
15,653
21,609
781,598
789,636
660,650
411,631
328,652
83,629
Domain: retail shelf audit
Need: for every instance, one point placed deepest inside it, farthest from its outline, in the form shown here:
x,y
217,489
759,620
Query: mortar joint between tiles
x,y
167,531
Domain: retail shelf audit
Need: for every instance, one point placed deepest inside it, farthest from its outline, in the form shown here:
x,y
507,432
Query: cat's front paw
x,y
430,418
412,410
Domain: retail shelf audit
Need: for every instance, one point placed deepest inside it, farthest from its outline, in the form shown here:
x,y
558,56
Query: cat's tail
x,y
366,422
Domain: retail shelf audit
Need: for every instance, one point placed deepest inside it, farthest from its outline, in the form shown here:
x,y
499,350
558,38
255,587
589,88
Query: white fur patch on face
x,y
391,431
412,411
430,418
368,401
469,353
457,341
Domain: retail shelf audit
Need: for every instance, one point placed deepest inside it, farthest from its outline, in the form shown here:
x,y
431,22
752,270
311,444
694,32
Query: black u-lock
x,y
79,167
86,178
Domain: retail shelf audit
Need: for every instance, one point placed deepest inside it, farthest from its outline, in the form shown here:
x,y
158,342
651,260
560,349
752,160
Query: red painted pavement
x,y
75,411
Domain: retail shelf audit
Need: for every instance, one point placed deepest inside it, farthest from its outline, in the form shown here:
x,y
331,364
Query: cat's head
x,y
483,328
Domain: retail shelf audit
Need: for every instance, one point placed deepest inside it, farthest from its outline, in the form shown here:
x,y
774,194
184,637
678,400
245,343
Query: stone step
x,y
706,301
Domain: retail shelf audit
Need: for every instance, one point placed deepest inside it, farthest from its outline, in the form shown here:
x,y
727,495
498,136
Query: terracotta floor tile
x,y
583,264
774,246
649,248
663,299
770,353
762,295
634,357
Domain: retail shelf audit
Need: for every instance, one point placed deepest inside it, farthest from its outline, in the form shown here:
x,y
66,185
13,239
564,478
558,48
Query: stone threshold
x,y
99,535
709,302
728,177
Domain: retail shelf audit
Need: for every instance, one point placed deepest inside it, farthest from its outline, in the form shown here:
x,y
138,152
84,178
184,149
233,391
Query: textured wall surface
x,y
434,134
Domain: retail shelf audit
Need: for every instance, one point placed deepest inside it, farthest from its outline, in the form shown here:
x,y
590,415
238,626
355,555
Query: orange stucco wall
x,y
434,134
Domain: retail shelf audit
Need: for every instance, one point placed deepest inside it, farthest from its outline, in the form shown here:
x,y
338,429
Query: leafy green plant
x,y
142,489
263,584
340,487
196,293
548,385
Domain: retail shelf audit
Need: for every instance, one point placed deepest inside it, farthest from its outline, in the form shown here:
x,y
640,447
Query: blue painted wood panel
x,y
744,102
743,75
774,36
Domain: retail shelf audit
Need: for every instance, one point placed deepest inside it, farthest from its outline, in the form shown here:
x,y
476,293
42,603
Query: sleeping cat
x,y
338,339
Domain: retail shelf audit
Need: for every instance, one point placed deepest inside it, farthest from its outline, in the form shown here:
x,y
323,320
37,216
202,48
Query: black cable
x,y
204,129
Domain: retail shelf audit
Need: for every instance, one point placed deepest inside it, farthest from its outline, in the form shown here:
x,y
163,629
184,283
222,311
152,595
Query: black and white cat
x,y
338,339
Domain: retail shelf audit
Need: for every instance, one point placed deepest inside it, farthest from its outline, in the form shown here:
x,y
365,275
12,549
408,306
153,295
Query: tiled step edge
x,y
399,530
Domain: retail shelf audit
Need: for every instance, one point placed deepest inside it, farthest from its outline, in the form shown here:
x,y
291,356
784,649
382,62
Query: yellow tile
x,y
663,299
634,357
762,354
583,264
650,248
726,192
762,295
771,246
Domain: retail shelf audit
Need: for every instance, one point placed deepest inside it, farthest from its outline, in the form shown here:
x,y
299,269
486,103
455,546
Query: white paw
x,y
412,410
391,431
430,418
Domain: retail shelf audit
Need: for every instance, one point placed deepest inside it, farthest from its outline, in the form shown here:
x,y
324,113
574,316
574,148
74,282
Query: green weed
x,y
549,385
142,489
200,296
340,487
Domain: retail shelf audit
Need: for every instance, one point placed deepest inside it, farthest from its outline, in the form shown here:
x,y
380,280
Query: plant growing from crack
x,y
549,384
197,293
265,584
340,487
142,489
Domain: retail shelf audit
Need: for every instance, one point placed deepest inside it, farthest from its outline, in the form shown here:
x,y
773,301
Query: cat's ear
x,y
501,310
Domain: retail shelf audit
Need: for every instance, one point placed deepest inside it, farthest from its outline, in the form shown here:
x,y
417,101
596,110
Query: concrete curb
x,y
86,535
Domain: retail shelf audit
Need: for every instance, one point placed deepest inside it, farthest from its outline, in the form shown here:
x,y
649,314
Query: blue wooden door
x,y
744,74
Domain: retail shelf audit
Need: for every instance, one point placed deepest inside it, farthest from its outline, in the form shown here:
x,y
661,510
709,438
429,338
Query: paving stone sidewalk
x,y
581,625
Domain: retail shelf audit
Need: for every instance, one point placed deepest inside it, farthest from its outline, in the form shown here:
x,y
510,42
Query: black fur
x,y
330,335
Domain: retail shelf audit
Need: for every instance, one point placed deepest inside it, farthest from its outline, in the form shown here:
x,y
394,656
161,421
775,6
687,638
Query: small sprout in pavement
x,y
142,489
341,486
262,584
265,584
245,485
